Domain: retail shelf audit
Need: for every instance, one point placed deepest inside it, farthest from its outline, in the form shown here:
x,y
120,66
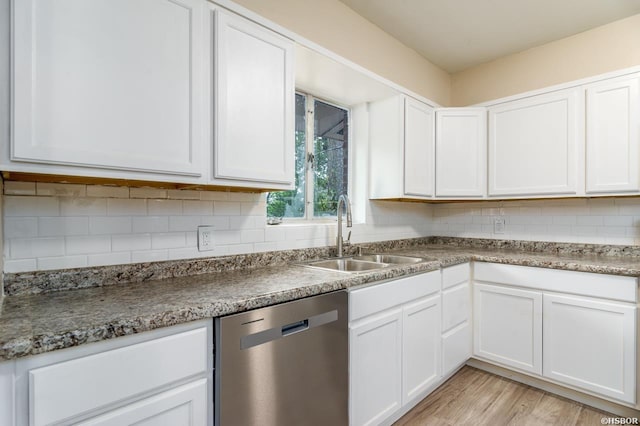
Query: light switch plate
x,y
498,225
205,238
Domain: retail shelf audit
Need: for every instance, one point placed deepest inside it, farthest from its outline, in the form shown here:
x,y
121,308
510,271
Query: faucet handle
x,y
348,238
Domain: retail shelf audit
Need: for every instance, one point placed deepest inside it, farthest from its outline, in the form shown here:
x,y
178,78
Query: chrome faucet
x,y
343,201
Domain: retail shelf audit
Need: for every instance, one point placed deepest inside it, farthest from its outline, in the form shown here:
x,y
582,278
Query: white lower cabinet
x,y
508,326
160,377
394,339
456,317
590,344
585,338
376,368
420,347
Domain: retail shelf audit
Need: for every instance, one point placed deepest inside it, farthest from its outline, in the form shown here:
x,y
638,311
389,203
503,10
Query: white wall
x,y
53,226
598,221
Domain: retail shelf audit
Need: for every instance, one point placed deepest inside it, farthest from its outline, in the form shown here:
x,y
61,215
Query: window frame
x,y
309,185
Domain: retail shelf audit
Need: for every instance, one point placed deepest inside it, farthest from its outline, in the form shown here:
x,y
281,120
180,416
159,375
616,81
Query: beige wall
x,y
338,28
603,49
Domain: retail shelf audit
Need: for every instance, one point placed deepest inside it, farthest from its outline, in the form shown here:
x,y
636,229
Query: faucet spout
x,y
343,202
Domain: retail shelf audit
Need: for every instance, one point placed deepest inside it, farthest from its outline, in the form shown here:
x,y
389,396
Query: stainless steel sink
x,y
346,265
389,258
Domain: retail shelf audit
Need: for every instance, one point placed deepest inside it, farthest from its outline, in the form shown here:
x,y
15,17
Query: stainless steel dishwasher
x,y
284,365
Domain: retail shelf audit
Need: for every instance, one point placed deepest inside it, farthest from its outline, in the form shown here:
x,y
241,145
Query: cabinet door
x,y
535,144
418,148
461,152
254,103
108,84
420,347
185,406
591,345
613,135
375,368
508,326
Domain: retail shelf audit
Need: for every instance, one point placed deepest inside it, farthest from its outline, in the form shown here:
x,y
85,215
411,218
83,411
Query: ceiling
x,y
458,34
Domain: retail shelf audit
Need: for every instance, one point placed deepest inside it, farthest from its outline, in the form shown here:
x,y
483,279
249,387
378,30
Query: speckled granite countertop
x,y
37,323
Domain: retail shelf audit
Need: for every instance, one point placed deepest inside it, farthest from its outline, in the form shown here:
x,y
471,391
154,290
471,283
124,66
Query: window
x,y
322,162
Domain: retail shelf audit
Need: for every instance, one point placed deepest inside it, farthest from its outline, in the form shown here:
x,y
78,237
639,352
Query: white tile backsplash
x,y
111,225
597,220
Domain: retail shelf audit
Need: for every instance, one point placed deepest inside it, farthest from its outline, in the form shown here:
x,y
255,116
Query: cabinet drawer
x,y
67,389
582,283
185,405
377,298
454,275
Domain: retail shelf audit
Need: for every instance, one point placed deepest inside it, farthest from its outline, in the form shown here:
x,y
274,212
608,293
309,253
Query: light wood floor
x,y
474,397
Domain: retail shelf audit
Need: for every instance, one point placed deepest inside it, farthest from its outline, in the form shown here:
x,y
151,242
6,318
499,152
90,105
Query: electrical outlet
x,y
205,238
498,225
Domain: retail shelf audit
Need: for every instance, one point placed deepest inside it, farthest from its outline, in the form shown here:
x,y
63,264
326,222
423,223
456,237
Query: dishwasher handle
x,y
276,333
295,327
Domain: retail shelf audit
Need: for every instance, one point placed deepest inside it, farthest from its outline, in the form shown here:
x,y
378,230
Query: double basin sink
x,y
363,263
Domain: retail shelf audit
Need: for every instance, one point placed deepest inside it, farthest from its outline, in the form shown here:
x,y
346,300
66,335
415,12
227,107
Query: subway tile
x,y
104,191
252,235
164,207
147,193
130,242
22,265
226,208
31,206
618,221
226,237
265,246
22,248
110,225
183,194
189,253
62,226
238,249
192,239
214,196
108,259
219,222
20,227
83,207
150,224
88,244
590,220
149,256
245,196
242,222
19,188
126,207
60,189
62,262
274,233
197,208
184,223
168,240
585,230
253,209
565,220
491,211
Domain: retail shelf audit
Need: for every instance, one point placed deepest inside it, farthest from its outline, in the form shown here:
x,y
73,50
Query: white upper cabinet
x,y
107,84
418,148
253,91
613,135
401,149
536,145
461,152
